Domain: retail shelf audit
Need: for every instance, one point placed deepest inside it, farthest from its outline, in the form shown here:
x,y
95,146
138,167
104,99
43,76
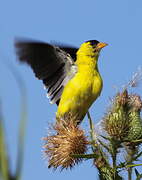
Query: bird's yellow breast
x,y
81,91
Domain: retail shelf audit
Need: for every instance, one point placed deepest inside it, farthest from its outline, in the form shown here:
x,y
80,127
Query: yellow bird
x,y
70,75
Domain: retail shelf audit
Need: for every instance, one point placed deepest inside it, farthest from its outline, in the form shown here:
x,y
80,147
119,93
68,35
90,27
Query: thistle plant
x,y
116,149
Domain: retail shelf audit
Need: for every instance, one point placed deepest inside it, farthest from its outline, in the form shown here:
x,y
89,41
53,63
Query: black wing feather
x,y
40,56
49,63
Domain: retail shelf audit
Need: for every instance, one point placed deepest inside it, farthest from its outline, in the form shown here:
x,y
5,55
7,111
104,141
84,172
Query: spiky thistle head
x,y
68,139
116,122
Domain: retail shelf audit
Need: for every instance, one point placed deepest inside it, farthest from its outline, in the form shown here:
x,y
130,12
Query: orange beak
x,y
101,45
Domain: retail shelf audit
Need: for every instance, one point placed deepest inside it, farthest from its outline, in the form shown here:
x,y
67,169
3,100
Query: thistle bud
x,y
135,131
116,121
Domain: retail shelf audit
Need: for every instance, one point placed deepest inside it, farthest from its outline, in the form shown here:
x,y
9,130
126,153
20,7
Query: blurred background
x,y
117,23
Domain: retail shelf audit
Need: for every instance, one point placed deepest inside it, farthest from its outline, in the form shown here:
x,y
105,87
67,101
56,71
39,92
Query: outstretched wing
x,y
51,64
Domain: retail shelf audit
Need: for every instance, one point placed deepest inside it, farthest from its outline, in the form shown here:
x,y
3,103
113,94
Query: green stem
x,y
130,174
133,165
92,134
131,151
114,164
114,146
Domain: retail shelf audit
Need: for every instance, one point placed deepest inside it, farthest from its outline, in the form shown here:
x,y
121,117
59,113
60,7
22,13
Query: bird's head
x,y
91,48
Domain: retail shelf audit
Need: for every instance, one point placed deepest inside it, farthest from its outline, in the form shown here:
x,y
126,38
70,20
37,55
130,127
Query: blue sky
x,y
117,23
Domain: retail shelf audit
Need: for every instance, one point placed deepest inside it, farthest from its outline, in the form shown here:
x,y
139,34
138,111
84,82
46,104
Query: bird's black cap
x,y
93,42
